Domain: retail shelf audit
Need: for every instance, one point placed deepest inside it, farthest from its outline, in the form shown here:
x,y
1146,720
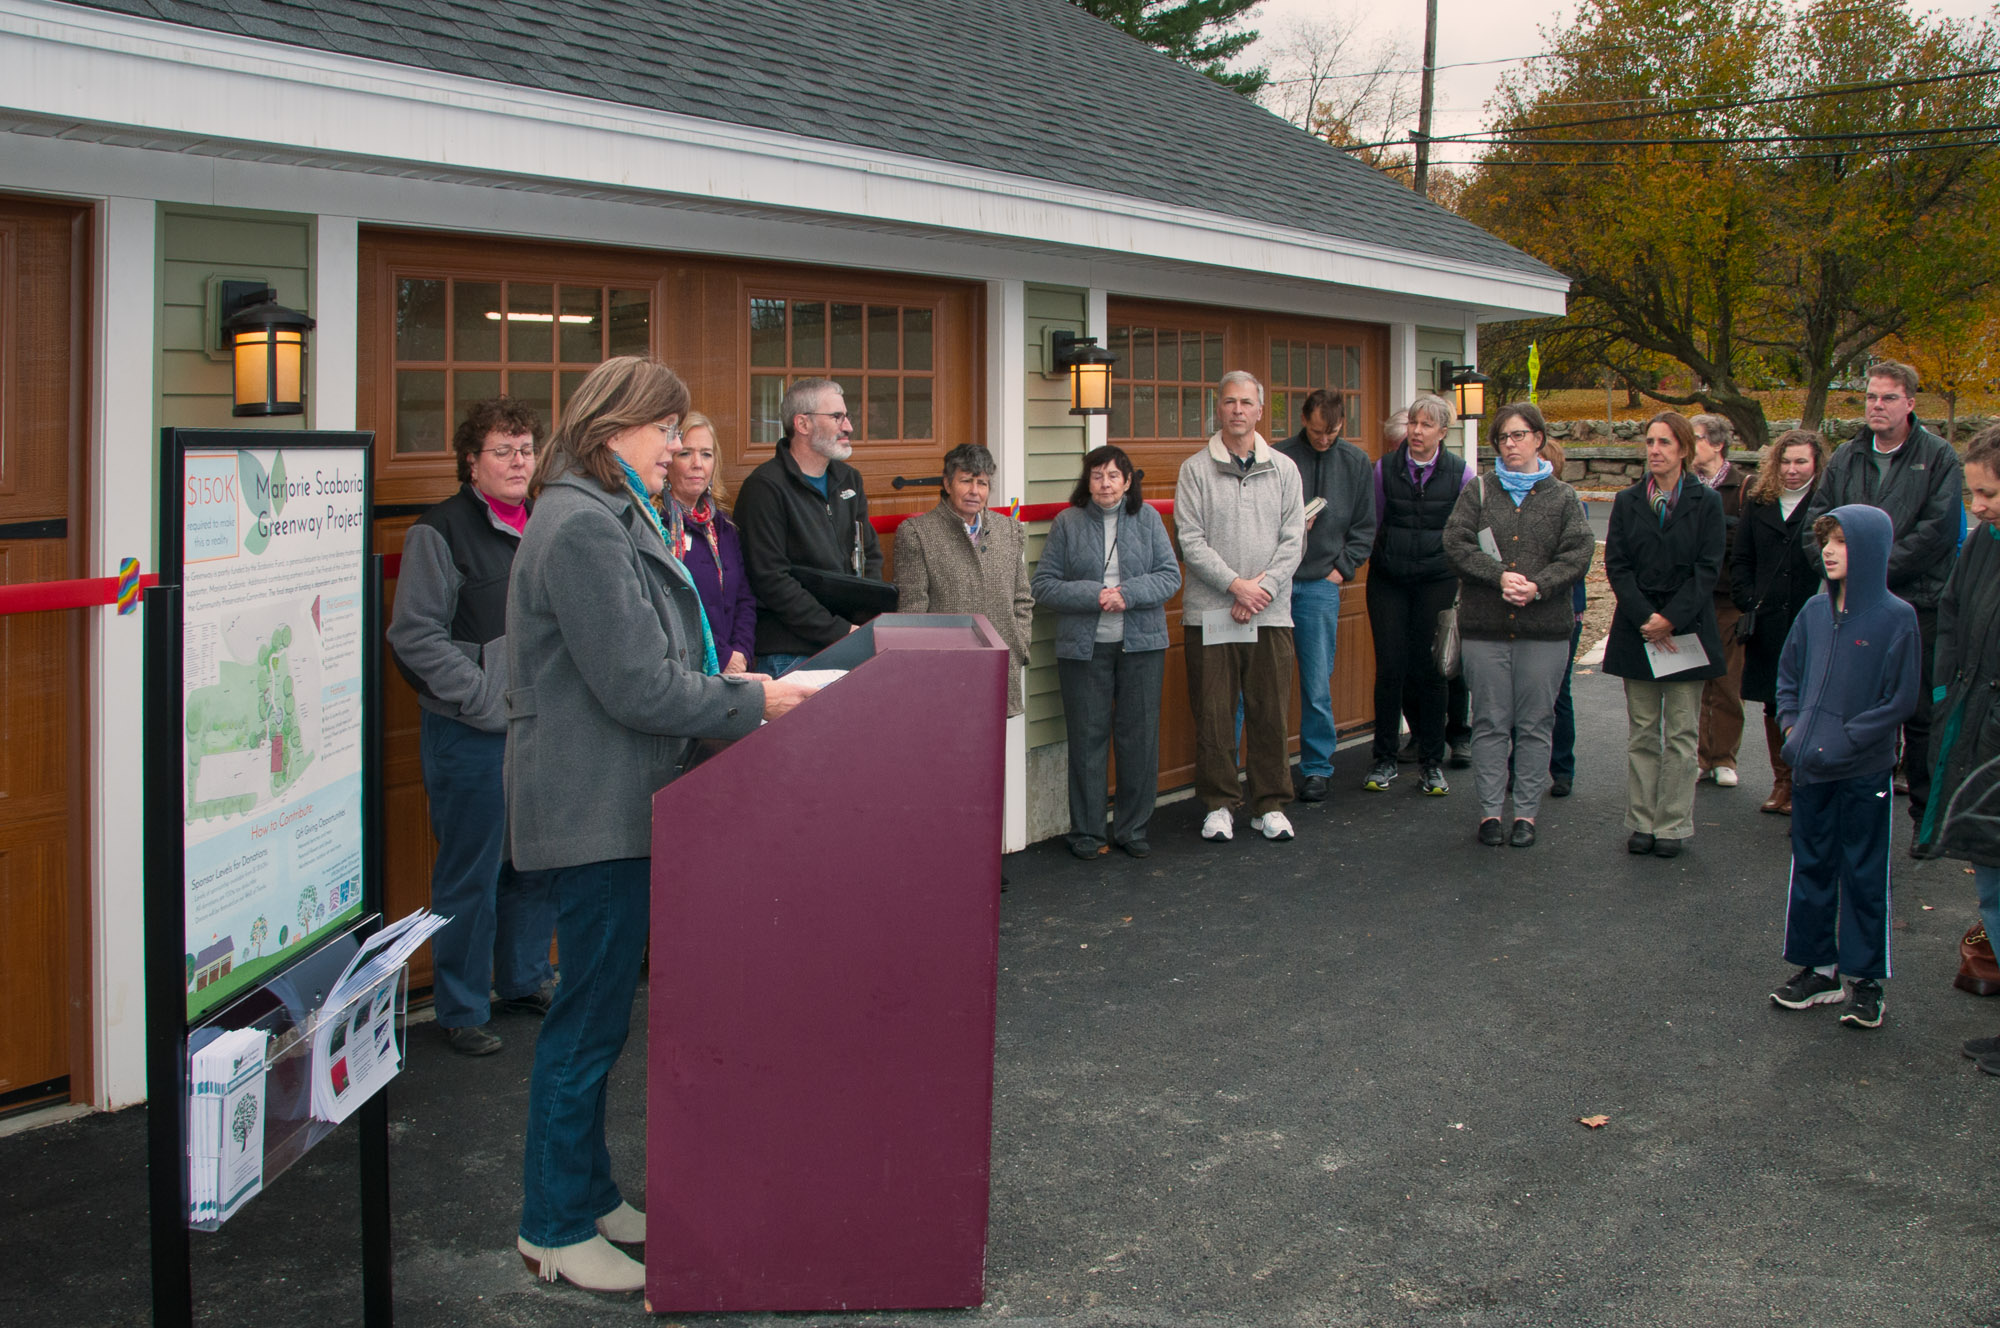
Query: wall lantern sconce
x,y
1089,368
1467,386
269,345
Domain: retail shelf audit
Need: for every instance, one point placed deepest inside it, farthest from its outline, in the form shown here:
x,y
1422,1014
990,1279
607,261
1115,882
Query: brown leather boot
x,y
1780,801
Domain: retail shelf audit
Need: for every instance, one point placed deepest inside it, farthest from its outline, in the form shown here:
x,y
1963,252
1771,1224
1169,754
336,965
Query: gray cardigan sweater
x,y
1547,539
1071,573
604,648
1237,523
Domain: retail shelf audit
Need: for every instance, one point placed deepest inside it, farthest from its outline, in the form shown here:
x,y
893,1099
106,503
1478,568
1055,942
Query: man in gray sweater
x,y
1338,539
1242,528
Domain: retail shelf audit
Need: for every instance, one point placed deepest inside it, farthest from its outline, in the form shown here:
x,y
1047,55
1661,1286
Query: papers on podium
x,y
356,1049
226,1114
1686,654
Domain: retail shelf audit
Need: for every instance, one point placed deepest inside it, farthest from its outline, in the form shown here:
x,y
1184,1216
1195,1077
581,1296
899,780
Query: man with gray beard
x,y
805,507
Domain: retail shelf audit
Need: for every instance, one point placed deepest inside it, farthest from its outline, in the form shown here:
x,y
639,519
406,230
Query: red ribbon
x,y
44,596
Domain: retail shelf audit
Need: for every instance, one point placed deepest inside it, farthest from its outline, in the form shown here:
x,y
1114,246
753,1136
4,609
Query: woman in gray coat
x,y
1108,570
1519,541
614,678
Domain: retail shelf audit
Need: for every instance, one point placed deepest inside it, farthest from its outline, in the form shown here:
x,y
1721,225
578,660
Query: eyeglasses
x,y
1516,435
672,431
506,454
830,414
1883,398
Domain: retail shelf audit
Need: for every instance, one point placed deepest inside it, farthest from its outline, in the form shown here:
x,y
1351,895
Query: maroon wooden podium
x,y
825,934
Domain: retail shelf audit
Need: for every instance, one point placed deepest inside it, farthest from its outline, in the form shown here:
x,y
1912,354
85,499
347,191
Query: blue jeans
x,y
1988,881
779,665
603,910
1316,635
501,919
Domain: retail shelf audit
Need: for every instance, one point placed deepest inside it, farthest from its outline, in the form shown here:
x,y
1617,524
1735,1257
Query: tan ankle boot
x,y
623,1225
594,1265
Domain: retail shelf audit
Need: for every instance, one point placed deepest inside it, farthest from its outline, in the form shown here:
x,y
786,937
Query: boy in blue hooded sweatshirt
x,y
1848,677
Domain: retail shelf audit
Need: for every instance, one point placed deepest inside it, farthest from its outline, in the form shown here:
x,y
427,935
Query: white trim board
x,y
93,170
189,87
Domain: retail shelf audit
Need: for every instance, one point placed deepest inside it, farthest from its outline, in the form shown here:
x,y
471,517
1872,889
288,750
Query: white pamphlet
x,y
1490,546
1218,627
816,677
1686,654
355,1050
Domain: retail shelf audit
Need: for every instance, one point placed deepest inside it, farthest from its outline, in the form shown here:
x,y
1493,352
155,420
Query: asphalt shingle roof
x,y
1036,88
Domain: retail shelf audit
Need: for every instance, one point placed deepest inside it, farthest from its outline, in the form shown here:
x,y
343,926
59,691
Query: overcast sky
x,y
1483,30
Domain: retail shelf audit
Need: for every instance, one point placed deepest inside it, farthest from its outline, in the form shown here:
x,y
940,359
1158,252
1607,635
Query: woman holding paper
x,y
615,677
1108,570
1519,541
1663,555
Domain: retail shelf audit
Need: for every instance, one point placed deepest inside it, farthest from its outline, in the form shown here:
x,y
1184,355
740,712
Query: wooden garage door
x,y
1170,358
44,277
448,320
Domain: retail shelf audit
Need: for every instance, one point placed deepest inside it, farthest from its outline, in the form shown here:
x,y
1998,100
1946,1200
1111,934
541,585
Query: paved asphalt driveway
x,y
1331,1082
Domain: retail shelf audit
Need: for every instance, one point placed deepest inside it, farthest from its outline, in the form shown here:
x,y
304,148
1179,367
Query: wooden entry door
x,y
44,279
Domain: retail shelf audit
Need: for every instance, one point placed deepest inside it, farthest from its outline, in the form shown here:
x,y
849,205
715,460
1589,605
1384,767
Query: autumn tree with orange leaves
x,y
1680,162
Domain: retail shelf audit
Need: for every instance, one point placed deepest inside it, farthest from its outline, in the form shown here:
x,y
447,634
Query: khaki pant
x,y
1722,698
1661,719
1260,672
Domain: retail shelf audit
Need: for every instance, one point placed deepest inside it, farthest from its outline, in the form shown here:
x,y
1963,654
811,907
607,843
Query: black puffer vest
x,y
1409,546
484,557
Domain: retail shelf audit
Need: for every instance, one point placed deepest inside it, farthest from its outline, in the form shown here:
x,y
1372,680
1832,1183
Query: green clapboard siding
x,y
1434,344
195,247
1057,441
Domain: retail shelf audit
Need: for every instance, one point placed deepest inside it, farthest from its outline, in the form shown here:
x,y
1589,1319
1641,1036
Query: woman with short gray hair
x,y
1410,582
961,557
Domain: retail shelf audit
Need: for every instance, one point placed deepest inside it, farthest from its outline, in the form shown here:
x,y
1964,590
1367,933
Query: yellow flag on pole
x,y
1534,372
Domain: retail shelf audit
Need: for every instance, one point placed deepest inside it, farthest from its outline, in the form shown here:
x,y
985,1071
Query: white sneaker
x,y
1275,825
1725,777
1220,825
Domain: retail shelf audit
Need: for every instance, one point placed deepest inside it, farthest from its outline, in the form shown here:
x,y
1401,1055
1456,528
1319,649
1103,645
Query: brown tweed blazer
x,y
939,570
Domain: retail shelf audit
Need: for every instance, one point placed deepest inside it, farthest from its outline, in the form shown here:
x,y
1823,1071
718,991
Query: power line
x,y
1723,140
1542,55
1770,159
1849,90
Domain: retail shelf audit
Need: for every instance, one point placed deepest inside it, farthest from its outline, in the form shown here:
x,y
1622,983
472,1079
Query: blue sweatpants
x,y
1840,875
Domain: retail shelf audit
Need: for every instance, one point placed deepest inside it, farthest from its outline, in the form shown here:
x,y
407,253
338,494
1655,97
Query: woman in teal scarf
x,y
615,679
1519,541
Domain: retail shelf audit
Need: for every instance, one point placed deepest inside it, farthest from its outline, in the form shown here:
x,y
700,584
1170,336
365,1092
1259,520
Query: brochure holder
x,y
825,933
292,1009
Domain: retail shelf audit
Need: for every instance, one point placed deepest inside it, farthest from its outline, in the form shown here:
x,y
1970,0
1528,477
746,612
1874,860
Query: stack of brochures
x,y
226,1123
356,1045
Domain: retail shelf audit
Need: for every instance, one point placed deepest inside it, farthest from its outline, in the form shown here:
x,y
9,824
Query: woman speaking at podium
x,y
615,677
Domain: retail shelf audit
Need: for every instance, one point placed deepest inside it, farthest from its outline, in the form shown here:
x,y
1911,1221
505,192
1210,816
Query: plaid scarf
x,y
1663,500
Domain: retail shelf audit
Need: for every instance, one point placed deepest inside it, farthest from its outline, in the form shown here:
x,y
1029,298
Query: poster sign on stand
x,y
273,550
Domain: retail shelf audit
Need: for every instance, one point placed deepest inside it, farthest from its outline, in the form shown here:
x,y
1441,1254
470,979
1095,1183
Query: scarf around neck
x,y
645,502
1518,482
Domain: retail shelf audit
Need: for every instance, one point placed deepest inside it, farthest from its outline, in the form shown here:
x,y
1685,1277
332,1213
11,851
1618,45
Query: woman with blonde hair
x,y
706,540
614,679
1770,572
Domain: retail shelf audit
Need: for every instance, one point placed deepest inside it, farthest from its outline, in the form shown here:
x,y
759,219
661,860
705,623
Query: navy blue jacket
x,y
1848,678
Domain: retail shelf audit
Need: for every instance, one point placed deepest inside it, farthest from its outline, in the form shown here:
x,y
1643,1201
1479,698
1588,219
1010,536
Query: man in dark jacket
x,y
1912,474
1338,538
805,507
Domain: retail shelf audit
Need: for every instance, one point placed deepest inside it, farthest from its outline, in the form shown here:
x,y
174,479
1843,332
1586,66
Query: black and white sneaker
x,y
1432,782
1809,987
1380,776
1864,1005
